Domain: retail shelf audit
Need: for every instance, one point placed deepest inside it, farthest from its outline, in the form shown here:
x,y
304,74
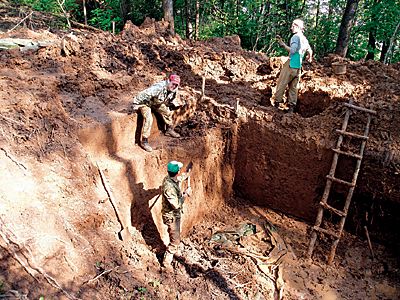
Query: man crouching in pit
x,y
159,97
172,202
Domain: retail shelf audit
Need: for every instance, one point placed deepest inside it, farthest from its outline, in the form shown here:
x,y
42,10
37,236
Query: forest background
x,y
356,29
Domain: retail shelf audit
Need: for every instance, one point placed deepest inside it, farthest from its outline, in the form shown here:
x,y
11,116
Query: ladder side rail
x,y
366,132
338,145
328,186
350,193
341,226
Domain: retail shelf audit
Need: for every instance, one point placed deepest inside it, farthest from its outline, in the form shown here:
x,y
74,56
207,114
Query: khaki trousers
x,y
174,231
288,77
145,110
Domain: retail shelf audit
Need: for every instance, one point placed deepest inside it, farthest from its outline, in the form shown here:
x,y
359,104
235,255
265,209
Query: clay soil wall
x,y
135,175
276,171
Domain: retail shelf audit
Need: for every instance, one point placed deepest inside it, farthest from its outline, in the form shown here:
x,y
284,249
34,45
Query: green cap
x,y
174,166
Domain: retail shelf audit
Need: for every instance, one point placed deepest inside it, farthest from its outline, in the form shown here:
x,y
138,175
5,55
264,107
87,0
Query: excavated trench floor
x,y
61,235
242,178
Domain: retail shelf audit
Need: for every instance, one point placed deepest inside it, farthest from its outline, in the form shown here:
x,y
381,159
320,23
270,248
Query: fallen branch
x,y
20,22
98,276
369,242
64,12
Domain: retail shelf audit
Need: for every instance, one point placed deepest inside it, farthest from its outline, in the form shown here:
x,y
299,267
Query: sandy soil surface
x,y
65,106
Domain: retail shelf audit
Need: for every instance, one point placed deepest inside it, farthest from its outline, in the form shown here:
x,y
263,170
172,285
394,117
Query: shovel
x,y
186,176
124,234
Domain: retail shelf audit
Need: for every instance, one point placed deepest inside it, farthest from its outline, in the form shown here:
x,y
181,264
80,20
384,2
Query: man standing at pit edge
x,y
172,202
159,97
291,70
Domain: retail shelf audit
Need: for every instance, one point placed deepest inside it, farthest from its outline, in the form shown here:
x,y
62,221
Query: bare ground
x,y
65,107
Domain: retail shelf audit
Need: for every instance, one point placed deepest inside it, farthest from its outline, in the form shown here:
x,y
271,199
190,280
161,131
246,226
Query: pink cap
x,y
173,78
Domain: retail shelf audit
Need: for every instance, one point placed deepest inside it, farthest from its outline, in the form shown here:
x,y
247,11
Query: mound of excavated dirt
x,y
64,115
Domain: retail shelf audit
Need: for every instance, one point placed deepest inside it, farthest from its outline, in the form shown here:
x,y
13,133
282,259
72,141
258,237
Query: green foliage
x,y
140,9
49,5
103,18
257,22
142,290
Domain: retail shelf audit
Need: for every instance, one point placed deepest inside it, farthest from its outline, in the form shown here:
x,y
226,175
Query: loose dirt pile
x,y
66,105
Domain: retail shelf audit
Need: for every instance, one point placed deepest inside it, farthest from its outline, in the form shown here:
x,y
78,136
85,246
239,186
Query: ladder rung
x,y
363,137
348,153
336,211
326,231
340,181
370,111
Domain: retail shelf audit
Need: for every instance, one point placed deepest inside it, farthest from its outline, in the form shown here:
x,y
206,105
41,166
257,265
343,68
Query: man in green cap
x,y
172,202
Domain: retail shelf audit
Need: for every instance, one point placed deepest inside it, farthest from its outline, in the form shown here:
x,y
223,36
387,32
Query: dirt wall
x,y
276,171
136,175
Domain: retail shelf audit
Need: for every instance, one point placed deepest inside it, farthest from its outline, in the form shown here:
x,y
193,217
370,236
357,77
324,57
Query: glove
x,y
188,192
135,107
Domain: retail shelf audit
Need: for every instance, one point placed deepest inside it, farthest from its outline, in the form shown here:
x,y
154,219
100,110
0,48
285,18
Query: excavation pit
x,y
65,113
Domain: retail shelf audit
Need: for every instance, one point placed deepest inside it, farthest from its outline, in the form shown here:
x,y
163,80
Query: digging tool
x,y
154,202
186,176
188,170
124,234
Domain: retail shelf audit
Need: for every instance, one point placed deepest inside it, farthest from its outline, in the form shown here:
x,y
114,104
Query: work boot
x,y
290,109
172,133
277,104
145,145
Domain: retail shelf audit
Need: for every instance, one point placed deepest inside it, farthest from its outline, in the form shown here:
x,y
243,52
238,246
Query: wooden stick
x,y
110,195
369,242
203,87
20,22
64,12
98,276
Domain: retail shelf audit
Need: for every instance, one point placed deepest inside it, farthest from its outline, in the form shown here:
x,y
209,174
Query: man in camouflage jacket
x,y
172,202
158,97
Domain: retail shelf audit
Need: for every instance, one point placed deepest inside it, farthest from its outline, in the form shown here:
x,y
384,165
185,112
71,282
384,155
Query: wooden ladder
x,y
331,178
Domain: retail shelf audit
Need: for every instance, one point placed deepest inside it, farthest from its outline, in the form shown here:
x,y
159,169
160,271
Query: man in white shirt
x,y
291,70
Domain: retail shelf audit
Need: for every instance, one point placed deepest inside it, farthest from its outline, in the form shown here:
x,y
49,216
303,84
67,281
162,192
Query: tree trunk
x,y
345,27
84,11
187,15
327,29
197,24
317,14
371,45
169,15
385,48
390,48
124,8
302,7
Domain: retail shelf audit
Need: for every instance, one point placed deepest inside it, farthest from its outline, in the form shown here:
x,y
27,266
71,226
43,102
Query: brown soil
x,y
65,110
